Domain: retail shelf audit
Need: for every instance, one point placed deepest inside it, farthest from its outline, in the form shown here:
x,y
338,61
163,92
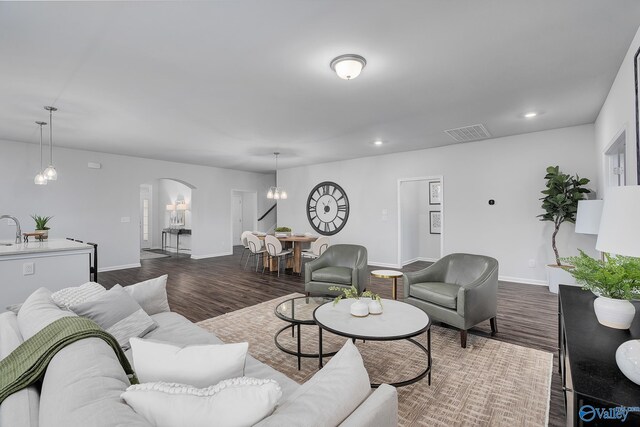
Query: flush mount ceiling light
x,y
377,142
50,172
276,192
530,115
40,179
348,66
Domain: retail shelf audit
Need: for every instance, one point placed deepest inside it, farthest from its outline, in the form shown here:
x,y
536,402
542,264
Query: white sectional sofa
x,y
84,381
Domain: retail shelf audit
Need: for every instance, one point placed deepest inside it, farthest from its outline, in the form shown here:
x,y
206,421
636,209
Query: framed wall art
x,y
435,193
435,222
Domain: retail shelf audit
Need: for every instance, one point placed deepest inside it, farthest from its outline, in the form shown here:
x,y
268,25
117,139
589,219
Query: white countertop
x,y
35,247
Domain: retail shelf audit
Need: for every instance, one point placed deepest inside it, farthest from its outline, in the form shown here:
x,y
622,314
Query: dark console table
x,y
177,232
590,375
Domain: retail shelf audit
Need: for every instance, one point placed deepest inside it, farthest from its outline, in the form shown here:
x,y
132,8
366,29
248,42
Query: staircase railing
x,y
267,212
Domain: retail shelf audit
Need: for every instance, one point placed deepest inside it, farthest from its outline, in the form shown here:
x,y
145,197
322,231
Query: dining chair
x,y
316,248
243,239
274,249
256,249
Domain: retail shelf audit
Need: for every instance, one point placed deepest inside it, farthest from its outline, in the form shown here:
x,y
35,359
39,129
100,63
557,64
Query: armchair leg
x,y
494,325
463,338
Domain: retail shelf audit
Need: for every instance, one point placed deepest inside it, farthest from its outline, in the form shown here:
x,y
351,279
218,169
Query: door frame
x,y
234,192
442,203
149,189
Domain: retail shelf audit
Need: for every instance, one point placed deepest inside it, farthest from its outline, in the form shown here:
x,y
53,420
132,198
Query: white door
x,y
145,217
616,162
236,218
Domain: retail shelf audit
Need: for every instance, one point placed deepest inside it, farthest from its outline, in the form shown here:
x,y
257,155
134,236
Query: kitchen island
x,y
54,264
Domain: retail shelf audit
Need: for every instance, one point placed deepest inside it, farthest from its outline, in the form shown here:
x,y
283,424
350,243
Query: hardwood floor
x,y
201,289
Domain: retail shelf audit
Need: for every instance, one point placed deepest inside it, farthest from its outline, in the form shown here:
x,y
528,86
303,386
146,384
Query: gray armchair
x,y
460,290
339,265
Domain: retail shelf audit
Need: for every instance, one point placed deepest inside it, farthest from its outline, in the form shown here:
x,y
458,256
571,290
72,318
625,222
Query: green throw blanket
x,y
28,362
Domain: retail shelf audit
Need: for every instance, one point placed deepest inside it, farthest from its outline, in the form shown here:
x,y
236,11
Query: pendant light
x,y
40,178
50,173
276,192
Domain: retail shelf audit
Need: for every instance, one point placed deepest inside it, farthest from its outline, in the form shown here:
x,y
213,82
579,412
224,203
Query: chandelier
x,y
276,192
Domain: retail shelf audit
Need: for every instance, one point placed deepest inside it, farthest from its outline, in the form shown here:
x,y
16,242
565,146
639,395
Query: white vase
x,y
359,309
628,360
375,307
557,276
614,313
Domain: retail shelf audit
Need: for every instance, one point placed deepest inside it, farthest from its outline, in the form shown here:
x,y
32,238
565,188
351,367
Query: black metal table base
x,y
299,354
426,351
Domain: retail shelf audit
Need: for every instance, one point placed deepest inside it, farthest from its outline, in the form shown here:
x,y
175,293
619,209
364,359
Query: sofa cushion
x,y
151,295
38,311
68,297
117,313
232,402
174,328
340,275
82,387
199,365
341,386
21,408
442,294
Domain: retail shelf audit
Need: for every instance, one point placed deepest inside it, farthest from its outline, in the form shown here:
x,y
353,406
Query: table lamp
x,y
588,216
619,231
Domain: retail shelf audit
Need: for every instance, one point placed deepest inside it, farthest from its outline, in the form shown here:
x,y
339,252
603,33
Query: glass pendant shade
x,y
50,173
283,195
270,194
276,192
40,179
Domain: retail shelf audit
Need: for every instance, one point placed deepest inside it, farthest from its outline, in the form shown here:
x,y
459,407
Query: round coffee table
x,y
298,311
398,321
389,274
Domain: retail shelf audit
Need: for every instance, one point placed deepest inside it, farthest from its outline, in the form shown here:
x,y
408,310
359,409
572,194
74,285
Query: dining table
x,y
297,242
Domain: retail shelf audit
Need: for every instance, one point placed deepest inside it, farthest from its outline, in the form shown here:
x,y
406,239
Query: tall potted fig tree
x,y
560,205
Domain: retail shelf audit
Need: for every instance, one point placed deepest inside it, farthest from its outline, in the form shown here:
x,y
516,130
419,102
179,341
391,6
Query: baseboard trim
x,y
211,255
119,267
411,261
384,264
523,281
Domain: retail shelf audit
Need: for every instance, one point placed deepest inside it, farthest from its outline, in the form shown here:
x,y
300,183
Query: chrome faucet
x,y
18,229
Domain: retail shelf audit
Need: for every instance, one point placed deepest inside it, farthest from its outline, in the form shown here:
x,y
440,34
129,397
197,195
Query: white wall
x,y
510,170
89,204
618,113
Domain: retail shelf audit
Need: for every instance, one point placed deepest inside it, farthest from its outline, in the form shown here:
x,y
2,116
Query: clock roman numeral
x,y
342,208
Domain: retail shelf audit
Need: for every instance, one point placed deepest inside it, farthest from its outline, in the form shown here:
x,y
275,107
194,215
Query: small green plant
x,y
352,293
616,277
560,203
41,221
283,229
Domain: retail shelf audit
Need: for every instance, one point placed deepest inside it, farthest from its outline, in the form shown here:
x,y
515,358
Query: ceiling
x,y
227,83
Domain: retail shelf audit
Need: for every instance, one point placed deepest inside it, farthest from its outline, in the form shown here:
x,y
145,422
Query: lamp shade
x,y
182,206
588,217
171,207
620,223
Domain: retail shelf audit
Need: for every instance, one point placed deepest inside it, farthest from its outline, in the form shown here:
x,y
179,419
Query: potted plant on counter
x,y
41,225
560,205
615,280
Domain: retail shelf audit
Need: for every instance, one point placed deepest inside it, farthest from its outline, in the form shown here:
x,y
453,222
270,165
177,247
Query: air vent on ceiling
x,y
469,133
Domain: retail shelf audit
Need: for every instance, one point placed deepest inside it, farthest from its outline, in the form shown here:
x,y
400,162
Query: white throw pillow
x,y
329,397
197,365
151,295
231,403
67,297
38,311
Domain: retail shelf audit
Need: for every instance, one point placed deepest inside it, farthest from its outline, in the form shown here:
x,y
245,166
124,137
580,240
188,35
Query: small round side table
x,y
389,274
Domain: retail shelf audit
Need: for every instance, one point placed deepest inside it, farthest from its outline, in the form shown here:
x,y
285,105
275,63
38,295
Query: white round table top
x,y
385,274
398,320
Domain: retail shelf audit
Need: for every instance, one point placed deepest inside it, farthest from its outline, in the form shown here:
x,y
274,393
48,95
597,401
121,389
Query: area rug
x,y
151,255
490,383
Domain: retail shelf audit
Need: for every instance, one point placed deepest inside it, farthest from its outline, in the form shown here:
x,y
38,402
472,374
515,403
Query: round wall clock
x,y
327,208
